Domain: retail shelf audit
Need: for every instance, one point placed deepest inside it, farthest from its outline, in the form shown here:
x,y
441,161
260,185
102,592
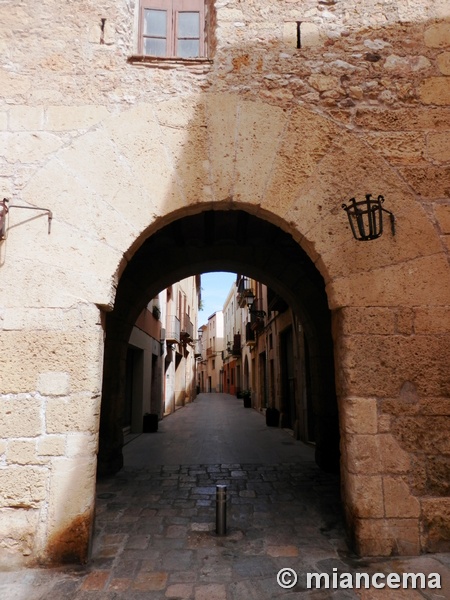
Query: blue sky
x,y
215,288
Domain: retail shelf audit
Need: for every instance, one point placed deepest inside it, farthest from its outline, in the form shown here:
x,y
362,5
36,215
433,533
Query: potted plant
x,y
247,396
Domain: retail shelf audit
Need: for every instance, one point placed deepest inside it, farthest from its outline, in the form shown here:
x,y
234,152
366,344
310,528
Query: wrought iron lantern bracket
x,y
366,218
4,210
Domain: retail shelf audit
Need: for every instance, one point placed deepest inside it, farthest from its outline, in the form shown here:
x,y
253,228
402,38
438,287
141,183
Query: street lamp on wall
x,y
366,218
256,313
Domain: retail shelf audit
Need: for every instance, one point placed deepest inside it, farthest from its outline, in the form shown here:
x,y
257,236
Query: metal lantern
x,y
366,218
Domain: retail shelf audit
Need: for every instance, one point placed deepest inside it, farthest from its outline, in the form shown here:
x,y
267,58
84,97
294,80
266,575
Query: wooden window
x,y
172,28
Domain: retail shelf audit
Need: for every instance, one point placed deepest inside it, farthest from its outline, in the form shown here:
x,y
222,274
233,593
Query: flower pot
x,y
272,417
150,423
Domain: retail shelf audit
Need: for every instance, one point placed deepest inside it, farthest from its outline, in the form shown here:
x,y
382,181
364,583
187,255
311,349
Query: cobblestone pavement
x,y
155,534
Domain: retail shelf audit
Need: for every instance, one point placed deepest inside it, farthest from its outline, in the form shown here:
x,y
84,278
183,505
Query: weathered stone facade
x,y
118,148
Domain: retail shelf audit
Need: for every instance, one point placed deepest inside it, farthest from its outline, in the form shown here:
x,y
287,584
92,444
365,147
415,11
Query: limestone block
x,y
23,487
420,359
438,476
26,118
80,413
364,495
434,406
384,424
99,219
435,533
53,383
363,454
221,110
404,533
186,146
402,65
437,35
408,284
51,445
324,83
20,416
99,166
373,538
429,434
398,500
3,121
439,9
22,452
404,321
443,61
429,182
351,169
259,132
435,90
17,529
393,458
410,119
230,14
13,85
438,146
442,212
305,142
71,504
359,415
398,147
370,319
432,319
77,353
67,118
81,444
310,35
290,33
137,135
28,147
50,318
382,537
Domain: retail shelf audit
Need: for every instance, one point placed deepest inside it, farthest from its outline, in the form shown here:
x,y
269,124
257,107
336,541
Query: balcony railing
x,y
173,330
236,348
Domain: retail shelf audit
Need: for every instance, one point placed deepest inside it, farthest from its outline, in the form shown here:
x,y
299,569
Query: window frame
x,y
173,8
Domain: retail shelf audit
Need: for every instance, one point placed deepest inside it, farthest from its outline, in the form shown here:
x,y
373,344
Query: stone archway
x,y
127,177
231,240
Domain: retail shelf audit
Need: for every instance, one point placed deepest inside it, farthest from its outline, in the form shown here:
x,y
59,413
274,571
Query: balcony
x,y
249,335
187,329
173,330
244,289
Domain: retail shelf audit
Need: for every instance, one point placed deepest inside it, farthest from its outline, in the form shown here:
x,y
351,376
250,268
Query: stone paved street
x,y
155,525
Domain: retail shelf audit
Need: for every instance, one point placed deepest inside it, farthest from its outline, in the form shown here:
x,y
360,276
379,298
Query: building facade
x,y
132,159
161,367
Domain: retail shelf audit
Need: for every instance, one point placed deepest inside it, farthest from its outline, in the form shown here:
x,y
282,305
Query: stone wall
x,y
116,148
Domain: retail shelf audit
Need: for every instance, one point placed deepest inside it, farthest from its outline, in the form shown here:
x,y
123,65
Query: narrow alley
x,y
155,520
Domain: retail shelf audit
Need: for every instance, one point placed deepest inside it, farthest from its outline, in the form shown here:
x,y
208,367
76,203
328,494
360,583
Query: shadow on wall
x,y
246,169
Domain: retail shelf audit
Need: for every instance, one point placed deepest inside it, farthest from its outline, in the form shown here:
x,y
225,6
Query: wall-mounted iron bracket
x,y
5,208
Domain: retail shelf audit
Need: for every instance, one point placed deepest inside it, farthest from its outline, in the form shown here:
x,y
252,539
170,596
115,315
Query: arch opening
x,y
218,240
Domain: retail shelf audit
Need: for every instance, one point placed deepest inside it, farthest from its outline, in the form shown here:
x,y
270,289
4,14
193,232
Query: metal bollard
x,y
221,509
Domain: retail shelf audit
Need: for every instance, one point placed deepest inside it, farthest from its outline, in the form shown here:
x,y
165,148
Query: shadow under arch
x,y
221,240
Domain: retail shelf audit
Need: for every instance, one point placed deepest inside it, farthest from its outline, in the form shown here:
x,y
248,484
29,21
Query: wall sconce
x,y
4,210
260,314
366,218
